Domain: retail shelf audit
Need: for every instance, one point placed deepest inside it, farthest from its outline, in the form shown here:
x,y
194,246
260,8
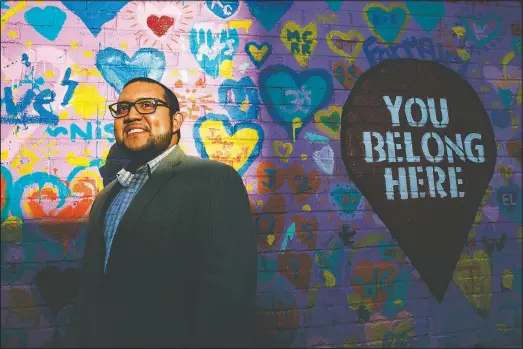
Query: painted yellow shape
x,y
12,34
245,104
11,230
519,94
10,13
234,149
175,73
514,123
502,327
398,302
75,160
29,159
270,239
301,42
28,44
86,101
348,36
63,115
87,72
278,146
306,208
392,6
459,31
4,154
259,202
49,74
473,277
330,280
506,279
321,117
304,156
243,24
249,187
74,45
296,123
91,174
463,54
123,44
258,54
88,54
226,69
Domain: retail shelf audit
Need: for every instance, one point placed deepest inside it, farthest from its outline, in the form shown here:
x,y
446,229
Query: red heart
x,y
296,267
65,222
159,25
514,149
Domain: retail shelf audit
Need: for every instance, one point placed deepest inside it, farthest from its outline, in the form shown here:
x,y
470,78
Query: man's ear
x,y
178,118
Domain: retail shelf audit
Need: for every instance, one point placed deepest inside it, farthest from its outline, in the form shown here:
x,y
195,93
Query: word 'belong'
x,y
417,148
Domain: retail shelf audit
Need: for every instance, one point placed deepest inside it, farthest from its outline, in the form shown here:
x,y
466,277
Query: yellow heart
x,y
300,41
233,150
286,146
258,54
344,38
322,121
386,9
473,277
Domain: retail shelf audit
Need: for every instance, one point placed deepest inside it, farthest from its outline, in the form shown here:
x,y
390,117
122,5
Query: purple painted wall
x,y
319,286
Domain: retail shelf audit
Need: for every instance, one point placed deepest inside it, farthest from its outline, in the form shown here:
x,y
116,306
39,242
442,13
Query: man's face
x,y
144,136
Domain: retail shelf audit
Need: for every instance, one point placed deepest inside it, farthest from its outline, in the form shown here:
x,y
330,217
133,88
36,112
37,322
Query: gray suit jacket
x,y
182,269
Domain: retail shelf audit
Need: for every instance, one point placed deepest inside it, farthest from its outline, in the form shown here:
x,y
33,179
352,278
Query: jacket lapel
x,y
161,174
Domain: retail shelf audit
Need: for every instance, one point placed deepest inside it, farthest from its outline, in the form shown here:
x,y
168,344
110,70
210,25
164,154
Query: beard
x,y
154,146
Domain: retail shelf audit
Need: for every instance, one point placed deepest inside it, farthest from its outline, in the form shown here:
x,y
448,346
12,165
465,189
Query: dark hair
x,y
169,95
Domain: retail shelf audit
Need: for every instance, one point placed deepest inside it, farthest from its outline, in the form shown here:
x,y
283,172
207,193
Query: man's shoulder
x,y
194,163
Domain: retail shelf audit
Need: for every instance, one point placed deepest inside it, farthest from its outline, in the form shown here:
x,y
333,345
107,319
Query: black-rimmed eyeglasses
x,y
142,106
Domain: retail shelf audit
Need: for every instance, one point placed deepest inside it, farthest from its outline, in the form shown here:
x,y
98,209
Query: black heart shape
x,y
57,287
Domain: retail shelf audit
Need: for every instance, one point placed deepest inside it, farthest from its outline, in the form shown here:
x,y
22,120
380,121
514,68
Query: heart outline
x,y
230,130
395,5
259,48
114,65
320,124
346,36
298,79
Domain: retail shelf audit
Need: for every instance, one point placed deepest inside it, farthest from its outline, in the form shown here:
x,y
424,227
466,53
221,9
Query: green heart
x,y
332,121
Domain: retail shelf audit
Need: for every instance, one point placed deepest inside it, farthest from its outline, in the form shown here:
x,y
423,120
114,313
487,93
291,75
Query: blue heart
x,y
95,14
426,13
500,118
230,129
204,44
47,21
117,68
346,196
259,63
244,89
223,9
267,13
334,5
509,201
387,24
485,38
289,94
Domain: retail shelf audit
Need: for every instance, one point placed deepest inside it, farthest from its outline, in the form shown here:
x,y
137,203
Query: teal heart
x,y
117,68
48,21
387,24
334,5
476,28
426,13
346,196
288,94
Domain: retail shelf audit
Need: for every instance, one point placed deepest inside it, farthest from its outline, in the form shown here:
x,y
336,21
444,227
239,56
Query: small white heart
x,y
324,158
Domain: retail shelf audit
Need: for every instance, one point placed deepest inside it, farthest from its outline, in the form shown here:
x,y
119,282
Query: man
x,y
170,258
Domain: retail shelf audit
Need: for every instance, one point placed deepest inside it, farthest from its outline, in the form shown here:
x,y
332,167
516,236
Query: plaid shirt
x,y
131,184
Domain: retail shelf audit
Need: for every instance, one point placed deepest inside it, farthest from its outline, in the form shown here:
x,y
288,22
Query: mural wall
x,y
263,86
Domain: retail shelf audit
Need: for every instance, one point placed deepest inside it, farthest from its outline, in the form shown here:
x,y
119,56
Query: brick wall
x,y
319,285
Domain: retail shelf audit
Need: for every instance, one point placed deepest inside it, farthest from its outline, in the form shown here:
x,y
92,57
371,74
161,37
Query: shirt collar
x,y
125,177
